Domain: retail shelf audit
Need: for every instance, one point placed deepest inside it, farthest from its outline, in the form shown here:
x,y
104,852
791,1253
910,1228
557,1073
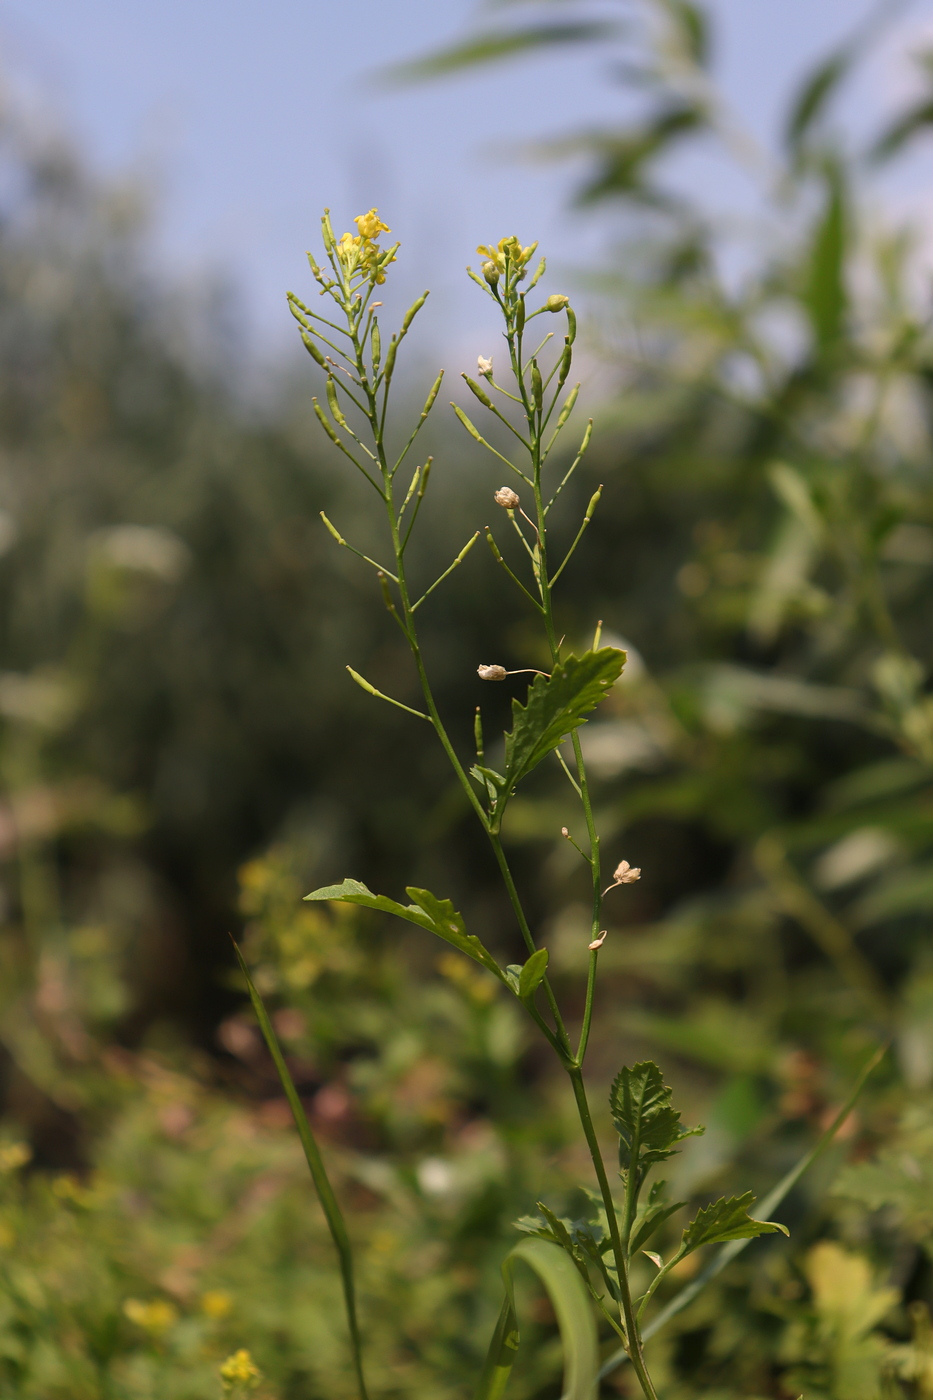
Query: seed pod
x,y
571,326
566,360
333,403
537,385
299,317
520,315
313,349
412,312
491,673
390,359
481,394
478,732
377,346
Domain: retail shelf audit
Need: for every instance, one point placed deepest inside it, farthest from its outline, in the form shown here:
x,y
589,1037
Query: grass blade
x,y
574,1313
763,1208
332,1211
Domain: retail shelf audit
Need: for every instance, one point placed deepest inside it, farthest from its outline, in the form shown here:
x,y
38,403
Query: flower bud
x,y
491,272
556,302
507,498
491,673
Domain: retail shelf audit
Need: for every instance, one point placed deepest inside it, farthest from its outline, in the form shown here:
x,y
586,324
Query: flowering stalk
x,y
359,369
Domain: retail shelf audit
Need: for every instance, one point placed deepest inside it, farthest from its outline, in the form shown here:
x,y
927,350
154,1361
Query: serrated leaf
x,y
650,1218
532,974
436,915
727,1219
649,1127
554,706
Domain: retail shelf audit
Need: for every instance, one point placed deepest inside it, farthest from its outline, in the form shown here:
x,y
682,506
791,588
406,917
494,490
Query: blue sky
x,y
245,118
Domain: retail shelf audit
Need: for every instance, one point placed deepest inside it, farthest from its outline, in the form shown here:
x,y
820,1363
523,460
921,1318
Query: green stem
x,y
633,1340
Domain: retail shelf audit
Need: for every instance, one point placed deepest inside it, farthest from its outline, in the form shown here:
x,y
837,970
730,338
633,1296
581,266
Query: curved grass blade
x,y
332,1211
571,1304
728,1252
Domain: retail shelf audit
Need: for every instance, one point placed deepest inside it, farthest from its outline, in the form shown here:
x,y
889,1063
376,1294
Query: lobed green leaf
x,y
436,915
727,1219
649,1127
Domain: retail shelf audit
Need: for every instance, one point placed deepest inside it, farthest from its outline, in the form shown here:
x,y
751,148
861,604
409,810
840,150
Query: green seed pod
x,y
429,403
566,360
520,314
325,422
328,233
333,403
483,397
313,349
298,315
390,359
376,345
571,326
537,385
478,732
412,312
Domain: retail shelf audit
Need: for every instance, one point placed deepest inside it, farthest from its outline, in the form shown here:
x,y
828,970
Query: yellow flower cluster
x,y
239,1369
506,248
361,252
156,1316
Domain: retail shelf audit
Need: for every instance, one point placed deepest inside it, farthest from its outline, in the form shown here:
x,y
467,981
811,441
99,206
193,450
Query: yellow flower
x,y
216,1304
14,1155
156,1317
506,247
239,1369
348,247
370,225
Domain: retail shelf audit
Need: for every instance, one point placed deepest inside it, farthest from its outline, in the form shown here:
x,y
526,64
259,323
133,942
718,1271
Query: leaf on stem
x,y
554,706
436,915
571,1304
727,1219
651,1216
525,980
649,1127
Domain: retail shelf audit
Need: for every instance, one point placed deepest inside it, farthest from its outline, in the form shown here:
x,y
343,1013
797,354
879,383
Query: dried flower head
x,y
625,874
507,498
491,673
484,366
598,942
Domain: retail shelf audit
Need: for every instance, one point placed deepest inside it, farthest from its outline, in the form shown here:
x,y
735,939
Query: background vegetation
x,y
182,755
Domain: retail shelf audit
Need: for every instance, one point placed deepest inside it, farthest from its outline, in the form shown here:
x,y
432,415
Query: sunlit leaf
x,y
436,915
727,1219
554,706
649,1127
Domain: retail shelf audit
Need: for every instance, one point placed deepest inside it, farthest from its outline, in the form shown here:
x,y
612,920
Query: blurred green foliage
x,y
174,624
